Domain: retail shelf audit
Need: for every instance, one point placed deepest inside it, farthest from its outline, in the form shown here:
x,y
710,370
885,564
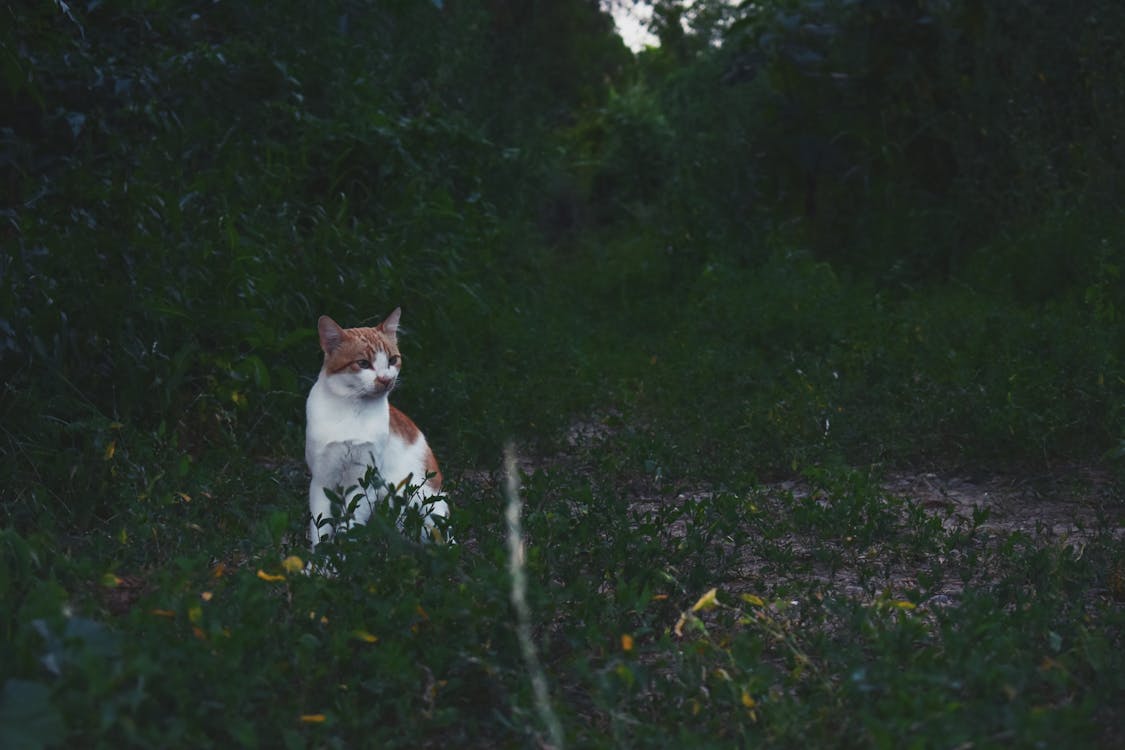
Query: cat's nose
x,y
383,381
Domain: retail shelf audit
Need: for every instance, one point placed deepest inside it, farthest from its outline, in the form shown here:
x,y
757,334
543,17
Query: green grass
x,y
843,616
146,602
705,404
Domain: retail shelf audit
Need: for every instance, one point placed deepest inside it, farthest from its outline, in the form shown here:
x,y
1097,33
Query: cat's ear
x,y
390,325
331,334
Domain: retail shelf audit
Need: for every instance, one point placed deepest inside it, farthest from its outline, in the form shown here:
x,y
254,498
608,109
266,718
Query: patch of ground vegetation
x,y
806,326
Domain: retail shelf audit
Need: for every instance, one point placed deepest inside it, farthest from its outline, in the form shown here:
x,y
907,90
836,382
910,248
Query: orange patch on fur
x,y
356,344
404,427
343,347
432,468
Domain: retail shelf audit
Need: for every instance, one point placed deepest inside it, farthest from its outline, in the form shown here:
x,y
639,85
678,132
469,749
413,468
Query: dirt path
x,y
1068,504
1066,508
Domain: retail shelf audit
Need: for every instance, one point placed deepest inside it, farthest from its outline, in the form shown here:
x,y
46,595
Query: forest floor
x,y
1065,506
835,597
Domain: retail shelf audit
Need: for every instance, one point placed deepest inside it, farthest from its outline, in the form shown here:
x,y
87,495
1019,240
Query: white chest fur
x,y
345,436
342,431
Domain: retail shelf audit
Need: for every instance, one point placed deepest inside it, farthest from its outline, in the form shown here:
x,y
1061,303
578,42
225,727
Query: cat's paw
x,y
321,568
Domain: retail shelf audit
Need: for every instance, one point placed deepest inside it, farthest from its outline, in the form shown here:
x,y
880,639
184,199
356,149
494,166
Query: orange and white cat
x,y
352,427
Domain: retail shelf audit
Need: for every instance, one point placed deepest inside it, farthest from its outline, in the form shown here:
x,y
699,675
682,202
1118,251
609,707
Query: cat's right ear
x,y
390,325
331,334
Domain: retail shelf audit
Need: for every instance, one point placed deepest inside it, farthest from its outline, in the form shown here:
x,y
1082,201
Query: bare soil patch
x,y
1065,507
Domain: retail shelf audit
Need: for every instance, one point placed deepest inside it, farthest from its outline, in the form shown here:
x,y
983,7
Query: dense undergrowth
x,y
797,238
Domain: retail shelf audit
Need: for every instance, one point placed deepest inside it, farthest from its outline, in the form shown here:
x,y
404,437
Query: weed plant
x,y
843,617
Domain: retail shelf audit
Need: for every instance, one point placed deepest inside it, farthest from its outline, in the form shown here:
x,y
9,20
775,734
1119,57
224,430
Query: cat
x,y
351,428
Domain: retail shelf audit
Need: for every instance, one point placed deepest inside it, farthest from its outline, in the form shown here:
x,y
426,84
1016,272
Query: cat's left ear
x,y
330,334
390,325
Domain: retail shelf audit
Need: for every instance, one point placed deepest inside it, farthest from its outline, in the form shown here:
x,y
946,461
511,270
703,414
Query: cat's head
x,y
361,362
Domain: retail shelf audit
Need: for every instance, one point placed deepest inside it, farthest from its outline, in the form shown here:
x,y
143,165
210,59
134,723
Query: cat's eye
x,y
363,364
394,360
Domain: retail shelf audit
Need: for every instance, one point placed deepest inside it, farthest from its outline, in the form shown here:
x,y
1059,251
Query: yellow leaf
x,y
748,700
904,604
293,564
679,628
184,496
271,578
626,642
110,449
206,596
195,613
707,601
659,597
313,718
757,601
123,537
219,570
111,580
364,636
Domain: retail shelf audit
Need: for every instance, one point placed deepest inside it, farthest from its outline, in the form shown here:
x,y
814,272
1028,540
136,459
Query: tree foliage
x,y
875,123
